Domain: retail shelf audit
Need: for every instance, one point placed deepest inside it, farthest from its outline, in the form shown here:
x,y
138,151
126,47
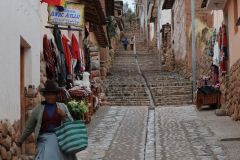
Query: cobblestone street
x,y
148,115
121,135
120,80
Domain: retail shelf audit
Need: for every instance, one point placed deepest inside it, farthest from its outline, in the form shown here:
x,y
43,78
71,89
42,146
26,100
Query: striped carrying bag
x,y
72,136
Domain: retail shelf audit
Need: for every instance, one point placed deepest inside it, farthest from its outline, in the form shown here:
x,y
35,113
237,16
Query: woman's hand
x,y
61,113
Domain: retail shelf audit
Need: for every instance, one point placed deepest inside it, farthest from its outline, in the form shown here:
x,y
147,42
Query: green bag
x,y
72,136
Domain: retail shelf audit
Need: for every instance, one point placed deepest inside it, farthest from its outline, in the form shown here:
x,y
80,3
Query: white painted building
x,y
19,42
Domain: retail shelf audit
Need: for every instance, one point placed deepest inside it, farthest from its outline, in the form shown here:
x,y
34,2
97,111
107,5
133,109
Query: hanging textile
x,y
87,59
50,58
55,2
61,67
82,61
214,74
67,54
223,49
224,40
75,48
210,50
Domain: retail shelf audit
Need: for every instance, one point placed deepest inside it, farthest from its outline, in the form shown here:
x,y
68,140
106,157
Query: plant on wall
x,y
112,27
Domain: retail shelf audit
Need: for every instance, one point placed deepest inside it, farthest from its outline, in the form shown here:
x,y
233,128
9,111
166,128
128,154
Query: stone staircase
x,y
125,85
169,88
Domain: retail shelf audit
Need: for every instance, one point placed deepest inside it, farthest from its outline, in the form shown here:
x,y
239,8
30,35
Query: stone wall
x,y
204,65
231,91
167,54
8,136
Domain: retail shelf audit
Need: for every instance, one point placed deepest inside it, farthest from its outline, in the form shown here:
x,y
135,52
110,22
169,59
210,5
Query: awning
x,y
168,4
94,12
204,3
95,15
100,35
213,4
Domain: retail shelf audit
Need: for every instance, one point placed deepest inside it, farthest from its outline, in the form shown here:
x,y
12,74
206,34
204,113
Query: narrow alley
x,y
120,80
148,115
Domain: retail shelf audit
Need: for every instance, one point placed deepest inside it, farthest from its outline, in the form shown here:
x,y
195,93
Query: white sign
x,y
73,15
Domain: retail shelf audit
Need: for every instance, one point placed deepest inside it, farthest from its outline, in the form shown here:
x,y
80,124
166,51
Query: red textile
x,y
52,2
50,58
223,63
67,54
224,36
75,48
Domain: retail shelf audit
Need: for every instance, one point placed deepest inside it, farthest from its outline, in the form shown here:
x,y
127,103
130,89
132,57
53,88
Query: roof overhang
x,y
168,4
213,4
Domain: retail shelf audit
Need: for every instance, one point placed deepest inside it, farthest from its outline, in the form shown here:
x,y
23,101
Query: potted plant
x,y
77,109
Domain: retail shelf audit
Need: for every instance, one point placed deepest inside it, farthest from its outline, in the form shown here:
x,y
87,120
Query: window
x,y
235,15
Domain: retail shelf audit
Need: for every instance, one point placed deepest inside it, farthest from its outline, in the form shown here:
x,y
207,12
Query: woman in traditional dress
x,y
44,119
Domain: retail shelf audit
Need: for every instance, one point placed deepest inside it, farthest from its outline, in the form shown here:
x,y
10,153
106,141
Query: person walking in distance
x,y
132,43
125,43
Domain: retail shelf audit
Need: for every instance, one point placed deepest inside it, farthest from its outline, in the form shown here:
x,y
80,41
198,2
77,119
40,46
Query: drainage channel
x,y
150,145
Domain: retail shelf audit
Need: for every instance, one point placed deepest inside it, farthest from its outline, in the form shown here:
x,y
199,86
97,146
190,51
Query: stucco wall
x,y
179,30
18,19
234,38
181,14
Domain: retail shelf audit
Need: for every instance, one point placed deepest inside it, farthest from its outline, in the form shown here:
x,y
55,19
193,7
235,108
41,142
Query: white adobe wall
x,y
18,19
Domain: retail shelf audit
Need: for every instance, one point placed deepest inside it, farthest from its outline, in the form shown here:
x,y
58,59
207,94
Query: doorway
x,y
24,48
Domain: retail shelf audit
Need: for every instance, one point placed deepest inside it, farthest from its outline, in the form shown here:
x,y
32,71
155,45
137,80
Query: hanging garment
x,y
216,54
82,61
67,54
75,48
220,38
214,74
224,36
214,37
62,72
87,59
224,41
50,58
223,64
210,49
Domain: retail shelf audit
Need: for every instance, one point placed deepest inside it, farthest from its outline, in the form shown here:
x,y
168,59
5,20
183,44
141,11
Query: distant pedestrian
x,y
132,43
125,43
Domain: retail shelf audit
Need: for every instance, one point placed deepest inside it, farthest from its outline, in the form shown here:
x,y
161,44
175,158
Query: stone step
x,y
172,98
127,104
126,95
174,103
122,100
172,93
189,101
136,98
123,91
170,87
131,85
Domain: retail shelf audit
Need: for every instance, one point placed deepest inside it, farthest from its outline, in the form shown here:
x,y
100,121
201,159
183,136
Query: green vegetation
x,y
128,13
77,109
